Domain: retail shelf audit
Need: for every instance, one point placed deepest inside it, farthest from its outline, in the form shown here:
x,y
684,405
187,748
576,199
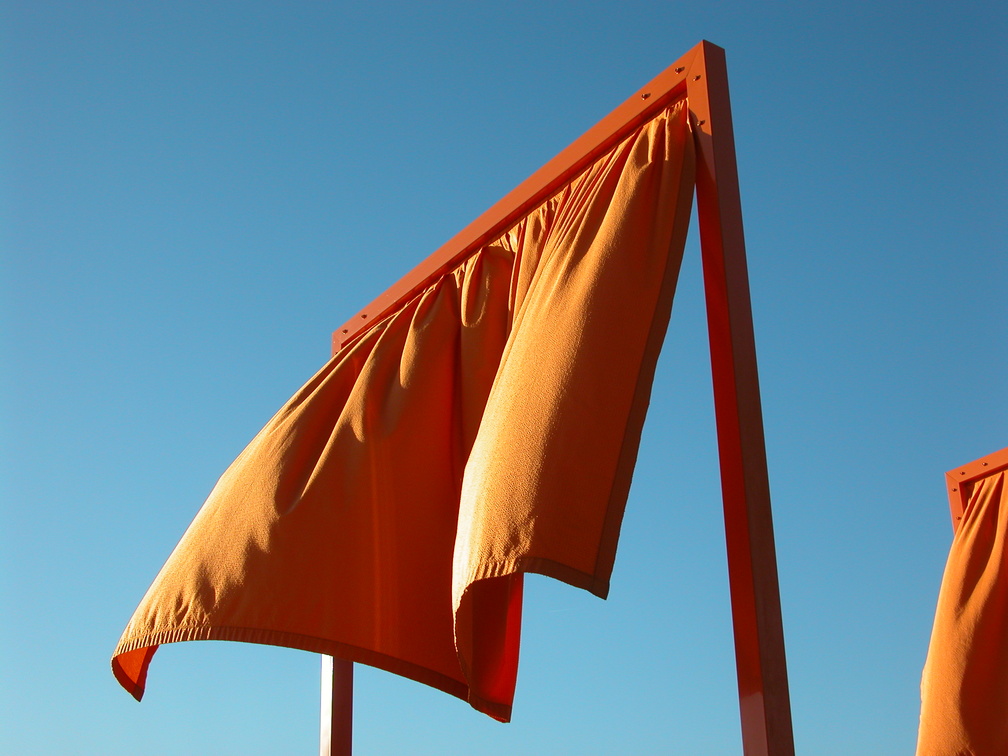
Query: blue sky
x,y
192,198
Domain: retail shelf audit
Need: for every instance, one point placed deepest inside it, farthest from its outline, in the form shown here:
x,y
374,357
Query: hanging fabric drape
x,y
964,688
486,428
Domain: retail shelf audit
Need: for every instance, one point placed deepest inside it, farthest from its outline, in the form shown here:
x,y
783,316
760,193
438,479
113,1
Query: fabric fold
x,y
487,428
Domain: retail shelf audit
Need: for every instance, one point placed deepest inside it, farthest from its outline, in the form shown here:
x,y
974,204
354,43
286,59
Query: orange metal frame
x,y
701,77
961,481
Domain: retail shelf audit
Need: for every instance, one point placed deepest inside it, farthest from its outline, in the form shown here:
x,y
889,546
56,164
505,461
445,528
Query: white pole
x,y
336,720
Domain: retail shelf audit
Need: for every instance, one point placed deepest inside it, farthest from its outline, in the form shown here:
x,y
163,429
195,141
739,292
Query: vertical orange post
x,y
752,563
336,722
336,716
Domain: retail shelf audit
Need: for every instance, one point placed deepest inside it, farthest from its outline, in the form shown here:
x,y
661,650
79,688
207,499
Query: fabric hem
x,y
595,585
308,643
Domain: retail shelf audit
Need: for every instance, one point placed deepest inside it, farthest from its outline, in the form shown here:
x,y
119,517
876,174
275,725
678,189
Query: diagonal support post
x,y
764,700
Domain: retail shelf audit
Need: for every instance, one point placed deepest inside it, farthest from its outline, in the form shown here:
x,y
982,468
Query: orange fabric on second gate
x,y
964,688
486,428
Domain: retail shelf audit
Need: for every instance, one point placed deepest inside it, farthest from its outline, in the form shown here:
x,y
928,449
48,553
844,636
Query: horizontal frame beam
x,y
960,481
665,88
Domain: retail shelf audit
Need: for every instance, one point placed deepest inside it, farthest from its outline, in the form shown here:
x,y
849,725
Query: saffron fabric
x,y
964,687
487,428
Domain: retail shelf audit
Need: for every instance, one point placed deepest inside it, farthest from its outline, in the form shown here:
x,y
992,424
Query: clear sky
x,y
194,195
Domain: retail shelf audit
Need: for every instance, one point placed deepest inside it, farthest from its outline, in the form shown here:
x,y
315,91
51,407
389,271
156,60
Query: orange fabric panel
x,y
488,427
964,687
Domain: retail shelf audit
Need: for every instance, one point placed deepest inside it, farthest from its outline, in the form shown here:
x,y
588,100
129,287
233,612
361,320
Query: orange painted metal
x,y
701,76
752,563
961,480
